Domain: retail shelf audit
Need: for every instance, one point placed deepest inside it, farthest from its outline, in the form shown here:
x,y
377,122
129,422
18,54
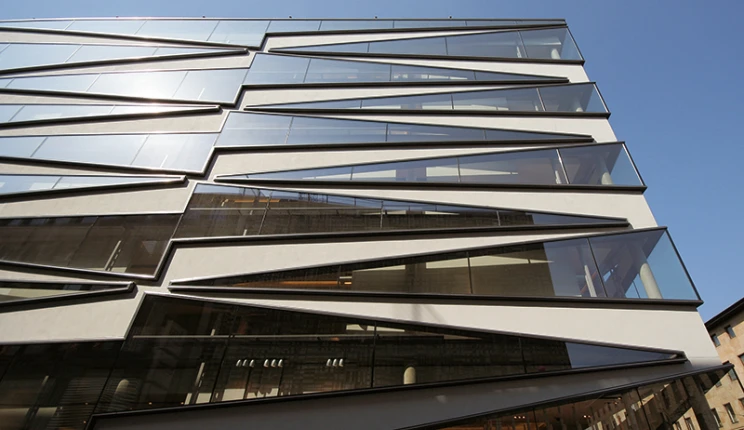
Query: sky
x,y
670,72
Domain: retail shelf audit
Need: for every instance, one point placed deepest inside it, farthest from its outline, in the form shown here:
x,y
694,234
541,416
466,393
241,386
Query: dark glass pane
x,y
584,355
561,268
401,215
404,73
334,104
504,44
428,24
291,26
176,151
248,129
599,165
338,25
642,264
434,170
519,100
277,69
416,102
162,316
110,26
110,149
96,181
28,54
11,291
223,211
248,33
420,46
322,70
529,167
178,29
553,43
432,133
49,24
496,135
329,131
572,98
219,85
542,355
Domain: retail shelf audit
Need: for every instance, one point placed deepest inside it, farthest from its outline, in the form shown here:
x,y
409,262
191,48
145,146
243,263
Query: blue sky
x,y
669,71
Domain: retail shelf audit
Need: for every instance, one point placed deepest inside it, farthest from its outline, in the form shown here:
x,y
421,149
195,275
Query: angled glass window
x,y
30,291
558,268
555,44
41,24
238,211
342,25
41,112
271,69
192,29
23,184
108,26
239,32
166,152
19,56
547,100
126,244
207,85
588,165
254,129
293,26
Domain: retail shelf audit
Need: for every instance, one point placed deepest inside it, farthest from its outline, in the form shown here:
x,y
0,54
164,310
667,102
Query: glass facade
x,y
553,44
183,352
591,165
271,69
22,113
19,56
219,86
636,265
13,292
31,184
554,99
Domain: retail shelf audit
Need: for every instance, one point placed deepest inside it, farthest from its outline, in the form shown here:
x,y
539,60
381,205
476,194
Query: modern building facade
x,y
222,223
725,330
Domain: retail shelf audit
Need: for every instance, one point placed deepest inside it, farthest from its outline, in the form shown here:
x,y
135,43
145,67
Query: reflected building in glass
x,y
332,223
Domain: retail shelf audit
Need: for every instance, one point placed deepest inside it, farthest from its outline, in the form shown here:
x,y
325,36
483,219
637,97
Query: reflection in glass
x,y
38,112
21,184
252,129
125,244
560,268
541,44
601,165
569,98
25,291
239,32
238,211
211,85
178,29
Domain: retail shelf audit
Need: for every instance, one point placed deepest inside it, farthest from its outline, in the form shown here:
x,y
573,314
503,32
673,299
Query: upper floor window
x,y
715,340
730,331
718,419
731,413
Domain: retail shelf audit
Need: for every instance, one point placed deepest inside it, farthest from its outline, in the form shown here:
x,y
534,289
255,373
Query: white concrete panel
x,y
103,319
225,260
207,123
651,328
110,203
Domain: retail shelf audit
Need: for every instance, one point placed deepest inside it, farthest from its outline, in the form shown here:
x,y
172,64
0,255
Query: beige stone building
x,y
727,333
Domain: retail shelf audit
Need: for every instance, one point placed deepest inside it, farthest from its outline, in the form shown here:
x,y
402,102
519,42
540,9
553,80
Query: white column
x,y
409,376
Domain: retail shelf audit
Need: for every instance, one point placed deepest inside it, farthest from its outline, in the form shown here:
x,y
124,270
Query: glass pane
x,y
336,25
11,291
219,86
111,149
40,112
277,69
551,269
215,211
432,133
421,46
529,167
20,146
489,22
139,84
433,170
324,174
110,26
425,102
178,29
553,43
109,52
10,184
504,44
68,83
49,25
642,264
334,104
176,151
248,129
249,33
402,73
95,181
321,70
321,131
599,165
28,55
519,100
8,111
291,26
572,98
361,47
428,24
401,215
583,355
